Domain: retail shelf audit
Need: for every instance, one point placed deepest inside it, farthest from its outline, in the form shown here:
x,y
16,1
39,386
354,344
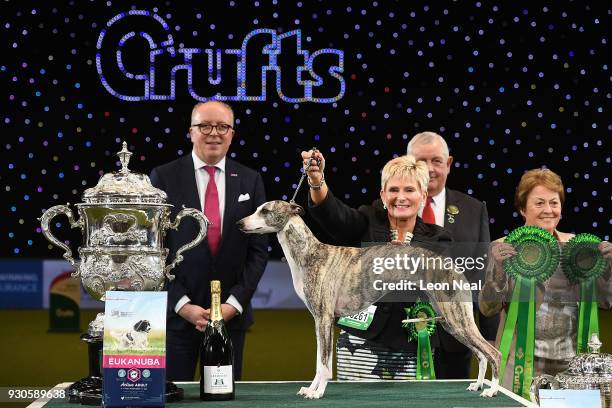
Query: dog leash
x,y
314,150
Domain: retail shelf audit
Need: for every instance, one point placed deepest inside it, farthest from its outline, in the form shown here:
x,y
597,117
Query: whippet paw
x,y
488,393
475,386
310,394
314,394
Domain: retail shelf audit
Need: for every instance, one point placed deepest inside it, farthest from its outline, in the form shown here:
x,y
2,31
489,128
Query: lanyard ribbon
x,y
425,367
583,263
588,316
520,319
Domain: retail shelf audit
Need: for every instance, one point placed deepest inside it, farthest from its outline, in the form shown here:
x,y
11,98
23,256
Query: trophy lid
x,y
592,367
124,186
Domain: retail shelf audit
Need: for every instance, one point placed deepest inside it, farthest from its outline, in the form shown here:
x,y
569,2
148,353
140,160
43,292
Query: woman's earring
x,y
384,205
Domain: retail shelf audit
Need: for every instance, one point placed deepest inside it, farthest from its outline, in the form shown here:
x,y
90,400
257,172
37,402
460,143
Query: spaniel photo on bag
x,y
136,339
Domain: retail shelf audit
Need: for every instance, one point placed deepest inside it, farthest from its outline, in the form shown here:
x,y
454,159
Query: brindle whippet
x,y
333,281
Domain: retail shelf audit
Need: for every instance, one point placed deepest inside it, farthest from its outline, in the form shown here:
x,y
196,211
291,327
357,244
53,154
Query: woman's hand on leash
x,y
313,163
196,315
316,162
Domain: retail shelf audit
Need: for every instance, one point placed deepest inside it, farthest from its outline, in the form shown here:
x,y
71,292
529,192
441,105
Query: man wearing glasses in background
x,y
226,191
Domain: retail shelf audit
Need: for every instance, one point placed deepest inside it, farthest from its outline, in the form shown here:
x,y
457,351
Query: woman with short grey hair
x,y
382,349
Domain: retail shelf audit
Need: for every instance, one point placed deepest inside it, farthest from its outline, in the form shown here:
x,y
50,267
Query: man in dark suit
x,y
468,222
226,191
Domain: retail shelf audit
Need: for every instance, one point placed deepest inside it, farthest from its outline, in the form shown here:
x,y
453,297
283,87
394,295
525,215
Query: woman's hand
x,y
605,248
500,251
316,162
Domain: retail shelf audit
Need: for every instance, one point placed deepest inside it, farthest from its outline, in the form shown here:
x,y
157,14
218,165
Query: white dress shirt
x,y
202,179
438,204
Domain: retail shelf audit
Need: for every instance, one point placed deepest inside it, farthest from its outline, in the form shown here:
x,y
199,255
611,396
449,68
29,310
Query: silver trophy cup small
x,y
586,371
124,220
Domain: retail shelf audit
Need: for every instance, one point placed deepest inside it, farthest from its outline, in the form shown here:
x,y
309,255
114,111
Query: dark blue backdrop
x,y
511,85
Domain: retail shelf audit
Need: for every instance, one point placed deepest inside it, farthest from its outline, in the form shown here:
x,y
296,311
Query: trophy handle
x,y
46,218
202,221
538,382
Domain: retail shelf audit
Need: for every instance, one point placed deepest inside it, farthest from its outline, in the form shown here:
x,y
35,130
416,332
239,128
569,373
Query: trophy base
x,y
88,391
173,393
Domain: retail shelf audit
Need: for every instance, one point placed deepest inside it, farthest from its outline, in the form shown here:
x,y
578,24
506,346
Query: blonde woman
x,y
382,351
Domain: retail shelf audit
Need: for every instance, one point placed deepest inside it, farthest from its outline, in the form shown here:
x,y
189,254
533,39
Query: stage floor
x,y
353,394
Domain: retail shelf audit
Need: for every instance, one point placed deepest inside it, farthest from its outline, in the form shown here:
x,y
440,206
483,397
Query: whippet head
x,y
270,217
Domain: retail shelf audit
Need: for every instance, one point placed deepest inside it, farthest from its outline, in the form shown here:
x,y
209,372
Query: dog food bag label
x,y
219,379
361,320
134,350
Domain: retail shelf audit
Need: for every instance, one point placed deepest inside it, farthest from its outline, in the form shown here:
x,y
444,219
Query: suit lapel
x,y
232,189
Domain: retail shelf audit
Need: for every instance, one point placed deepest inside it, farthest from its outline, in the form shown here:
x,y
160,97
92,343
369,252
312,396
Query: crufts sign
x,y
132,71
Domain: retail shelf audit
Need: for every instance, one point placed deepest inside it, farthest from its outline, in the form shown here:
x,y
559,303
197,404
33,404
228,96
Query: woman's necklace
x,y
394,233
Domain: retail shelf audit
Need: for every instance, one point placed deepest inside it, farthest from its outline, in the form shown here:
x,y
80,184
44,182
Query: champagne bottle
x,y
216,354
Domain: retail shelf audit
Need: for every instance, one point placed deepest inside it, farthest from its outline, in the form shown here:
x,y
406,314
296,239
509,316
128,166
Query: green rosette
x,y
536,260
583,263
581,260
421,331
537,254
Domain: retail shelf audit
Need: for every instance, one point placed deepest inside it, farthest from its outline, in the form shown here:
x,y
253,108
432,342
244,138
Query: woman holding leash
x,y
539,198
377,346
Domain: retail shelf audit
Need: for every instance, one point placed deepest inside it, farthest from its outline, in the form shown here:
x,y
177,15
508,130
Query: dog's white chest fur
x,y
296,272
298,282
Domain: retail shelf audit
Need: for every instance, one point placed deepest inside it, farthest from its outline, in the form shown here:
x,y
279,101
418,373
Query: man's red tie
x,y
211,210
428,213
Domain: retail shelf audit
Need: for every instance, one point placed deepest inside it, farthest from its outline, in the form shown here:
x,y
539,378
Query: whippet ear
x,y
296,209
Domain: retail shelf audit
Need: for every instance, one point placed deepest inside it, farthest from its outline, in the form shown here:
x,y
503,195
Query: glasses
x,y
206,128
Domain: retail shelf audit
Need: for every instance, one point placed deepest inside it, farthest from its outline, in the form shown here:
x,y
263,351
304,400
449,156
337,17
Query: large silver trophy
x,y
586,371
124,221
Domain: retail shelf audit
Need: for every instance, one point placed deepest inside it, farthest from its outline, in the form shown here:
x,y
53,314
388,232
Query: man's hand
x,y
195,315
227,311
